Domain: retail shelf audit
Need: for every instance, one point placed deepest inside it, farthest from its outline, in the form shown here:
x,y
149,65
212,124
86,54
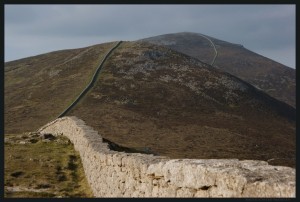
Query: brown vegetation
x,y
151,98
39,88
272,77
184,109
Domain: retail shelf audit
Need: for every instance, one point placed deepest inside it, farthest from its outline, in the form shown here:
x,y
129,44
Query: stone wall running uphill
x,y
118,174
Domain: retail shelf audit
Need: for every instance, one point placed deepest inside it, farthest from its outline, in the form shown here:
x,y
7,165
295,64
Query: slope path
x,y
213,45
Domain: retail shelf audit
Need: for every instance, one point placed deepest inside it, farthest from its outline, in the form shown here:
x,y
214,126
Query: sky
x,y
29,30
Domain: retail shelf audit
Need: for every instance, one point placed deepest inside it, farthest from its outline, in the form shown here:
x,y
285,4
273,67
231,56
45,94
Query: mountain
x,y
151,98
276,79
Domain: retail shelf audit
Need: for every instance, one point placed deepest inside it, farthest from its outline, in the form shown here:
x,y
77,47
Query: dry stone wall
x,y
118,174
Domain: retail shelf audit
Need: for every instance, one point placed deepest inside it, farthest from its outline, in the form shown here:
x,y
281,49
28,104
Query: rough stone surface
x,y
118,174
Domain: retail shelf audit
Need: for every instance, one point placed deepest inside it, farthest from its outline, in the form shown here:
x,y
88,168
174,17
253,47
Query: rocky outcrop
x,y
118,174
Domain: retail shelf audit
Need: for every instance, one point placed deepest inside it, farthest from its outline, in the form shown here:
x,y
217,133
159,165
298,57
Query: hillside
x,y
276,79
39,88
154,99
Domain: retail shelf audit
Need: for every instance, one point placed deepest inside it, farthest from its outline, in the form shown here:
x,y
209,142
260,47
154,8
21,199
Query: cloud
x,y
31,29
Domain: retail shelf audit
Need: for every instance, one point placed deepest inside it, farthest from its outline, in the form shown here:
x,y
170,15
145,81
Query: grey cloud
x,y
254,26
15,14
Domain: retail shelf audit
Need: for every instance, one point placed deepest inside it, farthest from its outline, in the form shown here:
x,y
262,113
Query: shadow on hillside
x,y
119,148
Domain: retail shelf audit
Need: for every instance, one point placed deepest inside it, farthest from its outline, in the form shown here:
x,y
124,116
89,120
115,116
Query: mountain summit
x,y
276,79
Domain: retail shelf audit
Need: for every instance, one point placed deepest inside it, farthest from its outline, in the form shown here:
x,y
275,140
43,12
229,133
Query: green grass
x,y
51,169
